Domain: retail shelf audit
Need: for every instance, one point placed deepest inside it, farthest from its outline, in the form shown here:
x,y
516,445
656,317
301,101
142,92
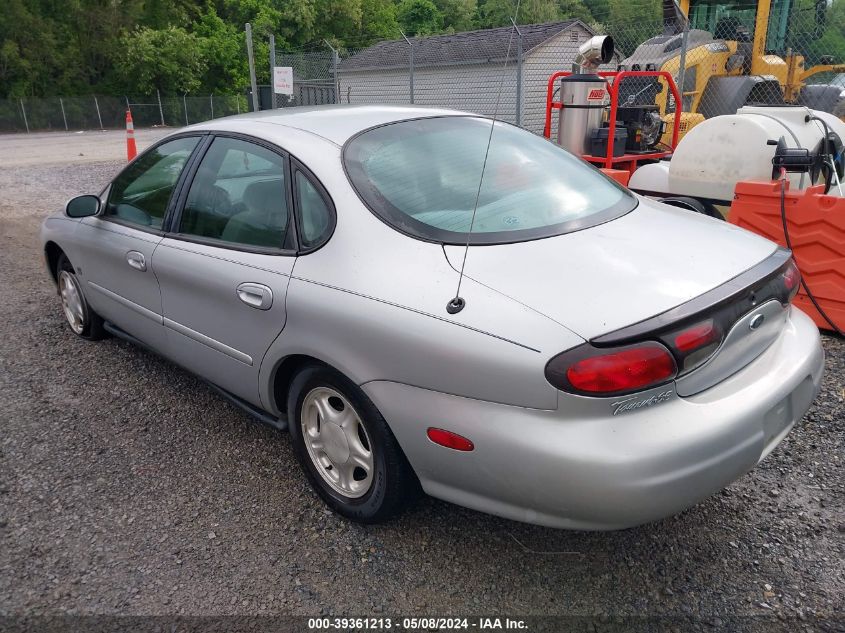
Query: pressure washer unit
x,y
584,96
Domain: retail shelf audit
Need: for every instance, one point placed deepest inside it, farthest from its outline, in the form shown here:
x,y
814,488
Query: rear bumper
x,y
580,467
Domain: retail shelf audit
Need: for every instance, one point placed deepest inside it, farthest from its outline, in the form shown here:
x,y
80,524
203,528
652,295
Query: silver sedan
x,y
604,360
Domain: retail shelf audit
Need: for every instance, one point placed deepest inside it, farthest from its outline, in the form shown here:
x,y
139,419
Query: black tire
x,y
694,205
393,483
92,324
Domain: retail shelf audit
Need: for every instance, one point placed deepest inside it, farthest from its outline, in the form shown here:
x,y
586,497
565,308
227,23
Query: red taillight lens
x,y
696,336
593,371
791,279
694,344
449,439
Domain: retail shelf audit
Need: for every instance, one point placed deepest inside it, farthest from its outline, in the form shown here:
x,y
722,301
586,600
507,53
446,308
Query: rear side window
x,y
140,194
239,196
315,215
423,178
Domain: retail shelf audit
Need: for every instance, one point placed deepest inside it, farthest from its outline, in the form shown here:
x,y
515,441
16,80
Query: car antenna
x,y
457,303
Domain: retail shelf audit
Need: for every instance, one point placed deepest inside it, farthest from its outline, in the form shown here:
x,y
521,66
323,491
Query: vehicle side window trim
x,y
174,212
298,166
173,227
176,187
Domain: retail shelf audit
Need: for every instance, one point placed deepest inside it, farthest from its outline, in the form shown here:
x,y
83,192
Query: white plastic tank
x,y
719,152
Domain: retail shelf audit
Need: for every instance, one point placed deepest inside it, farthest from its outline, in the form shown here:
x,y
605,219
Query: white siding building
x,y
466,70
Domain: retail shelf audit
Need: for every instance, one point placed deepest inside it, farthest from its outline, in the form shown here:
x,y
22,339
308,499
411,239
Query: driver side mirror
x,y
82,206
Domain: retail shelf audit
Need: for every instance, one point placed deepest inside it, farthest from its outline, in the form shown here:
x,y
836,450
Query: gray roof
x,y
470,47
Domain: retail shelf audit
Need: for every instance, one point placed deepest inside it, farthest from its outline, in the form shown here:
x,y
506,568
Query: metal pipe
x,y
682,67
273,70
518,73
25,122
97,105
251,60
160,109
335,60
593,53
62,104
410,65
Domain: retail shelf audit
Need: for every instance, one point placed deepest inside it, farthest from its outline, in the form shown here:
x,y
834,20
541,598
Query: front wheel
x,y
83,321
345,447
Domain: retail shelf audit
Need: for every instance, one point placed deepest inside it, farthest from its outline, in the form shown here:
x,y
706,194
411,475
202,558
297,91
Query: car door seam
x,y
209,342
224,259
127,303
421,312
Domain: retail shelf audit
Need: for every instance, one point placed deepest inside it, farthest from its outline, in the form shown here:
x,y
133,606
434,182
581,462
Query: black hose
x,y
789,246
826,151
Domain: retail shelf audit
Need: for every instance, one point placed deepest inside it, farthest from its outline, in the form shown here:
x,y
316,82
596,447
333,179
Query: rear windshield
x,y
422,177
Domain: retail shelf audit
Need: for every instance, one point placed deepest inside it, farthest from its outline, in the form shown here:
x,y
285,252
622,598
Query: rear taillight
x,y
694,344
791,279
593,371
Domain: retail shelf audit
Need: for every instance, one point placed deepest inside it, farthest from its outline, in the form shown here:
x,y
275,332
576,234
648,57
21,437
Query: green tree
x,y
631,22
222,48
499,12
458,15
419,17
378,21
169,60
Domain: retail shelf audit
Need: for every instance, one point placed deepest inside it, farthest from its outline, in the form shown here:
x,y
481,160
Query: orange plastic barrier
x,y
816,224
622,176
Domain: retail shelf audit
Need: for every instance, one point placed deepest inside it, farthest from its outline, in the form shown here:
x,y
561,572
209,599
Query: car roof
x,y
335,123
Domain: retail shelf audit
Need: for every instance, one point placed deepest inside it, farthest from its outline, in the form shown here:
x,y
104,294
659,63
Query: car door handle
x,y
136,260
255,295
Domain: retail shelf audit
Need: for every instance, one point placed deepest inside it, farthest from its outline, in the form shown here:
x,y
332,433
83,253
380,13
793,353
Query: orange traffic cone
x,y
131,149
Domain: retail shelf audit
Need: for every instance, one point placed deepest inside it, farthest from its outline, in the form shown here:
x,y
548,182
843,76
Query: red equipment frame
x,y
610,160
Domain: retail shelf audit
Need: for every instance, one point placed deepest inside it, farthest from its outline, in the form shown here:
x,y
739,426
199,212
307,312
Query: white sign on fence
x,y
283,80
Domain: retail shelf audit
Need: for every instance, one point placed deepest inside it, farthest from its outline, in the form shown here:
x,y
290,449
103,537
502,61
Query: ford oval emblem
x,y
756,321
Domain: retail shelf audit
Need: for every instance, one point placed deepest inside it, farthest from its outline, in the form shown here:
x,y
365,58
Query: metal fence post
x,y
97,105
211,100
25,122
62,104
682,66
251,61
410,66
272,69
519,77
335,60
160,109
185,105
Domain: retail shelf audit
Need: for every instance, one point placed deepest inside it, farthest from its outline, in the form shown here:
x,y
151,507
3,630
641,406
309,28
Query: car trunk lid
x,y
619,273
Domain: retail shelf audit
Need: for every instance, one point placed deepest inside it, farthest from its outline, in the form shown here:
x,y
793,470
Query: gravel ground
x,y
128,487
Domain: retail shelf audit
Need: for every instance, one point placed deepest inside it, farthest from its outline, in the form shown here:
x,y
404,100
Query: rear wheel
x,y
81,319
345,447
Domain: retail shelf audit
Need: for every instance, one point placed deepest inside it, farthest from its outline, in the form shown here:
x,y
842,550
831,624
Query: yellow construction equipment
x,y
737,53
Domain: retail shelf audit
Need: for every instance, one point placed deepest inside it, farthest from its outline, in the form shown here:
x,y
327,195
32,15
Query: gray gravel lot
x,y
128,487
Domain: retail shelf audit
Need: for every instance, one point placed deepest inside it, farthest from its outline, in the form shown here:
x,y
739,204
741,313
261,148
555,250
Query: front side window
x,y
239,196
140,194
422,177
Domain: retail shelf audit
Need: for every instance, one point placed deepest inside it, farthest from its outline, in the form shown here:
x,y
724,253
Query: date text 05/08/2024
x,y
416,624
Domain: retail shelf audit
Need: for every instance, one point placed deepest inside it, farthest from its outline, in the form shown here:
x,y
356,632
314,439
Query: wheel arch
x,y
283,374
52,252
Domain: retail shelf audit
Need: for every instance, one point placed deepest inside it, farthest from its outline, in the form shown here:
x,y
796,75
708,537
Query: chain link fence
x,y
723,56
104,112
